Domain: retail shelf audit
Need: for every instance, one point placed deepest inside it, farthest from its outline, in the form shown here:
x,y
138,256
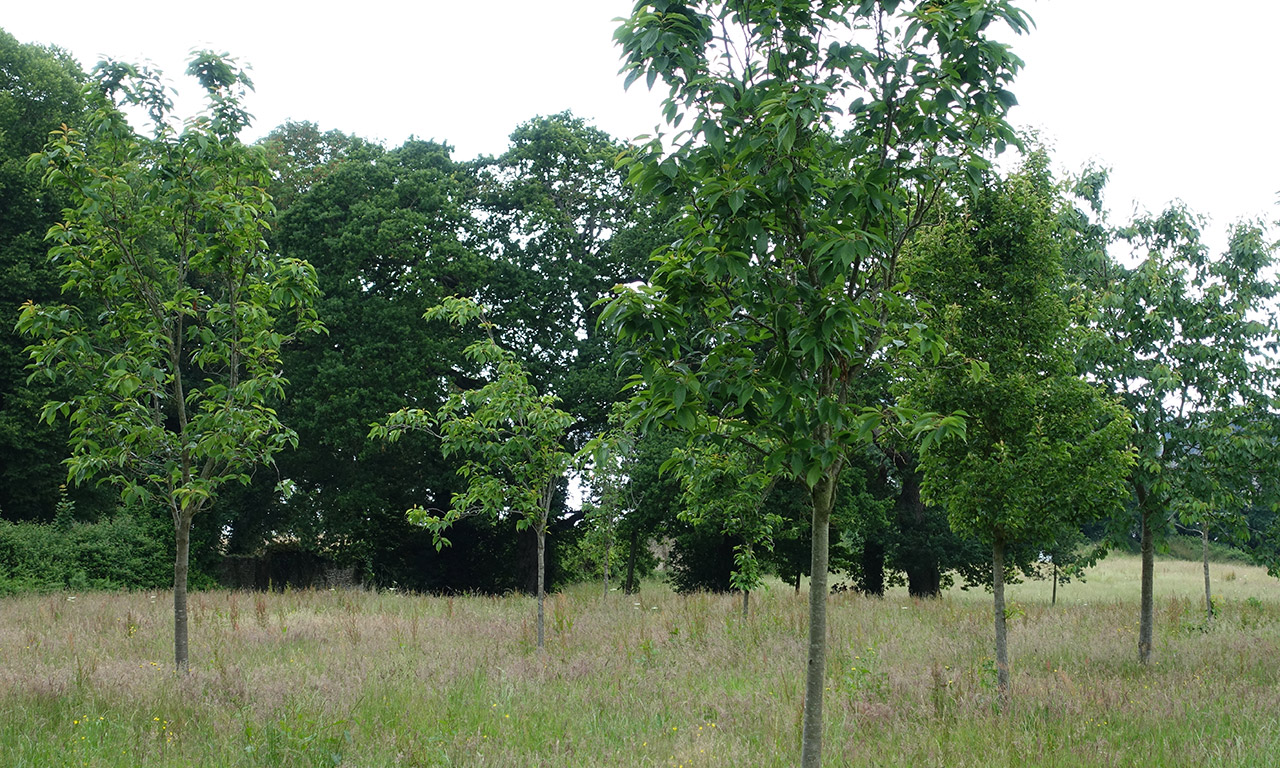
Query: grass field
x,y
380,679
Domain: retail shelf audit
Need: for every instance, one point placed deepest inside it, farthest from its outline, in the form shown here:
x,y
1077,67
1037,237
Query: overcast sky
x,y
1178,98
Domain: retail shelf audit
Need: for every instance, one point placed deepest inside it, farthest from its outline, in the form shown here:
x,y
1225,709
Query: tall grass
x,y
381,679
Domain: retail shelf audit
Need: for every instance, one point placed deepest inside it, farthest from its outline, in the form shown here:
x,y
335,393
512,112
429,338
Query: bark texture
x,y
1002,634
815,675
1208,592
1146,619
181,567
542,592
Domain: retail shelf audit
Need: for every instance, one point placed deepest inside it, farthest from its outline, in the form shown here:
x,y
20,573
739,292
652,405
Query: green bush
x,y
114,553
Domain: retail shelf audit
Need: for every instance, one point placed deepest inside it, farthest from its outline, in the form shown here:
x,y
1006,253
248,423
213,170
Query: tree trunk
x,y
1147,611
873,568
798,577
823,495
1054,599
746,602
607,552
1208,594
1002,635
924,580
924,574
181,563
629,586
542,594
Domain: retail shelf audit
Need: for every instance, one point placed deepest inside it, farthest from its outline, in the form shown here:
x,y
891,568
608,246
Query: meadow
x,y
363,678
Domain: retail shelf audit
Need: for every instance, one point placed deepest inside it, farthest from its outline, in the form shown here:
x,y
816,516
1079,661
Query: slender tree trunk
x,y
181,564
542,593
1208,594
548,493
823,495
1002,634
607,553
798,577
629,586
746,602
1054,599
1147,611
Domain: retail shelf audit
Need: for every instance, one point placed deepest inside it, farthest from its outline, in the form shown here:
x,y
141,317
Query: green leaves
x,y
171,334
1042,450
508,435
1184,338
177,311
789,244
765,321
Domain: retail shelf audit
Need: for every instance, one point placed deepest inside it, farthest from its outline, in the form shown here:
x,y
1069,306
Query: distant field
x,y
1116,578
380,679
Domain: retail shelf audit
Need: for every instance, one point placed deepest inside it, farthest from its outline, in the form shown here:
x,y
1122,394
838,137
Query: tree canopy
x,y
40,90
1044,451
811,140
177,311
1187,341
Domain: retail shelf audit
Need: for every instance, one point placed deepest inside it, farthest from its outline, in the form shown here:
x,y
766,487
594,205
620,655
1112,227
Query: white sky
x,y
1177,98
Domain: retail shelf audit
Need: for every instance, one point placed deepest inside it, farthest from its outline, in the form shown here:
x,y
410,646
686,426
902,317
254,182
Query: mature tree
x,y
1187,341
564,228
511,436
173,336
39,91
390,238
538,234
1044,450
301,156
814,137
919,540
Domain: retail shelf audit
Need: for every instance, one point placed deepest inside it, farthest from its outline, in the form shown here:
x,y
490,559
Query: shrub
x,y
114,553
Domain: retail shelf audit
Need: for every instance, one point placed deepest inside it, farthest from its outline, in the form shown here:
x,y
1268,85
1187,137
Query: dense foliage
x,y
119,552
826,235
174,311
39,91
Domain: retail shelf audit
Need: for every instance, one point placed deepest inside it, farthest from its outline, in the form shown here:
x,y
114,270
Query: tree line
x,y
813,330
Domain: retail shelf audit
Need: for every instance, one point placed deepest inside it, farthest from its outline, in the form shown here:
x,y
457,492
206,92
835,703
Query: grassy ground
x,y
379,679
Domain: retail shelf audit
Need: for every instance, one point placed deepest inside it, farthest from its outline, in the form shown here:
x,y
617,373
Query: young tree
x,y
813,139
174,330
610,460
726,487
537,234
656,495
1186,341
1044,450
512,438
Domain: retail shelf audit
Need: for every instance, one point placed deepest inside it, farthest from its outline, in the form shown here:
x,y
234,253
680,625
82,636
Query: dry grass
x,y
380,679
